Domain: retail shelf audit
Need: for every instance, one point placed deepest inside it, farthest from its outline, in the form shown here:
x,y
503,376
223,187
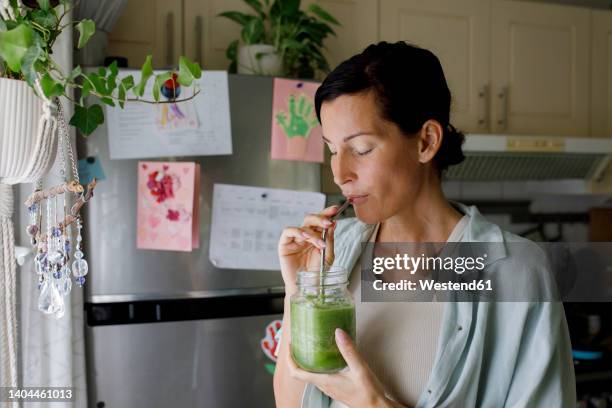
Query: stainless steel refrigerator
x,y
168,328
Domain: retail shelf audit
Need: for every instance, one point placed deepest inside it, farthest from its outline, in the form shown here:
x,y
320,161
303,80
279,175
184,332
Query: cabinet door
x,y
601,81
148,27
358,19
207,35
540,69
458,33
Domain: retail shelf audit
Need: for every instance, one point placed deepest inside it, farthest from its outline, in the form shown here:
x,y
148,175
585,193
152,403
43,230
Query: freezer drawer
x,y
201,363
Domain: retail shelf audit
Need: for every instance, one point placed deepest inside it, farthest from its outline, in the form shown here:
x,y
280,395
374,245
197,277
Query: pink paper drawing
x,y
168,204
296,133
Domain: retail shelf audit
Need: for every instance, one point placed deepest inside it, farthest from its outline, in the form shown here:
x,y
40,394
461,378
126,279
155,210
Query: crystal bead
x,y
56,232
55,257
57,274
32,230
65,271
79,238
33,208
80,281
40,263
49,300
60,310
67,247
33,241
64,285
80,268
78,254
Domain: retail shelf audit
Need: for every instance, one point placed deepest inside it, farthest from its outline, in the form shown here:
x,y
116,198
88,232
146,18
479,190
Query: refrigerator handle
x,y
170,39
199,30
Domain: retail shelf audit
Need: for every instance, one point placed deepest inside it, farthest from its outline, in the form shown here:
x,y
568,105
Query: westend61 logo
x,y
413,264
514,270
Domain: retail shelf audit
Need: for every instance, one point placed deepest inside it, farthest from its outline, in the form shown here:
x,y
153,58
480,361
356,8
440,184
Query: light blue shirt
x,y
502,354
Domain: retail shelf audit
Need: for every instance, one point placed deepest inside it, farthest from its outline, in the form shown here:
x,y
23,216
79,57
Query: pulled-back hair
x,y
409,86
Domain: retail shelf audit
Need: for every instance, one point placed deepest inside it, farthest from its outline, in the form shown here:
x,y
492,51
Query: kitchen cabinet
x,y
358,29
513,67
458,33
207,35
540,58
169,29
601,82
193,28
148,27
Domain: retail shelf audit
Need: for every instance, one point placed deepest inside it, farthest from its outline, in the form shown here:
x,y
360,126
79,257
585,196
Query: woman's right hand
x,y
300,247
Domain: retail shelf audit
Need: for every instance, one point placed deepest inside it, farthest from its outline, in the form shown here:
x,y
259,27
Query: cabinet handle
x,y
502,120
483,95
199,29
170,39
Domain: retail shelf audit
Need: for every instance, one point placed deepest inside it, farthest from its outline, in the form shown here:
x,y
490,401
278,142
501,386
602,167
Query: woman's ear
x,y
430,140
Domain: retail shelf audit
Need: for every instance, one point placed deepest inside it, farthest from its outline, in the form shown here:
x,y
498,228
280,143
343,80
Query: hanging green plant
x,y
28,31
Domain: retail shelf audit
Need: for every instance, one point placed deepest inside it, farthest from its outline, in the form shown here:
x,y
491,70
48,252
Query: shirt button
x,y
460,328
429,391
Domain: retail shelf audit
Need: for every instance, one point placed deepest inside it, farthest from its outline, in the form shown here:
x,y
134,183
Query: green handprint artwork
x,y
301,117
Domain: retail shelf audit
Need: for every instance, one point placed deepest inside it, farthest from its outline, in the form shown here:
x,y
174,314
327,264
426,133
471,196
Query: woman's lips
x,y
358,199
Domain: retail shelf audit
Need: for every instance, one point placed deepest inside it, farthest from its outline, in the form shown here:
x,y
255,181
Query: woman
x,y
385,118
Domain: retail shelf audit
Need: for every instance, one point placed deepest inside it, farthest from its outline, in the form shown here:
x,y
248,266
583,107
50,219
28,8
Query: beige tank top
x,y
398,339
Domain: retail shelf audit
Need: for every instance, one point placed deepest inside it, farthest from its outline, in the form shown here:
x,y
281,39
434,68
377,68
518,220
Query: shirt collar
x,y
478,229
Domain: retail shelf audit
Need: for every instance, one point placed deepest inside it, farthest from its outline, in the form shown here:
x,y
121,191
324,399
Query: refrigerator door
x,y
117,267
189,357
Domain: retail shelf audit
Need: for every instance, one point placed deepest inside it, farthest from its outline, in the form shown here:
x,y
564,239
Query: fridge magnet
x,y
90,168
175,116
269,344
296,133
168,206
50,234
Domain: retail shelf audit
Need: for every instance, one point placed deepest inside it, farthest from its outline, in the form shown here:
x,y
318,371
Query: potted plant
x,y
280,39
31,81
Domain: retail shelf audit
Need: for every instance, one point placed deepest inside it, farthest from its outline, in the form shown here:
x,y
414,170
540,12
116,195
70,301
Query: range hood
x,y
536,158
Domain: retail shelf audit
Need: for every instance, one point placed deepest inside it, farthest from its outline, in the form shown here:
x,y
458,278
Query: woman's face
x,y
370,157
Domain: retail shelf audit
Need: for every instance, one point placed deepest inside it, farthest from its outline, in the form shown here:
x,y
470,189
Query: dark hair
x,y
409,85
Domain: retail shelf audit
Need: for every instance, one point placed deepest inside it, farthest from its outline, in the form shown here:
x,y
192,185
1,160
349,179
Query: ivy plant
x,y
28,31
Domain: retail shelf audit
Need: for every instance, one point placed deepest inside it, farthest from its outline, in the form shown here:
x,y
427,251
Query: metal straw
x,y
332,218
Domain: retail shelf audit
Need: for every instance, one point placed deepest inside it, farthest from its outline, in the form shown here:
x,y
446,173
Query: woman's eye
x,y
364,153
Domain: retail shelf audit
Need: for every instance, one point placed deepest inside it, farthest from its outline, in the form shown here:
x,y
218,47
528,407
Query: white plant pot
x,y
20,113
268,63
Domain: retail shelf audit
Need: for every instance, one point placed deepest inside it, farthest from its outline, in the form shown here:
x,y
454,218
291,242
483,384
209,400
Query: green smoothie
x,y
313,325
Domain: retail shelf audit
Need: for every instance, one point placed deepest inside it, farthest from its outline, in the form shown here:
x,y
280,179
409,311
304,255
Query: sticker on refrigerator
x,y
247,223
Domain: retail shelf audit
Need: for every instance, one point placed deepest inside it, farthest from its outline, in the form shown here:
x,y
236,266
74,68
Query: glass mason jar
x,y
319,307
